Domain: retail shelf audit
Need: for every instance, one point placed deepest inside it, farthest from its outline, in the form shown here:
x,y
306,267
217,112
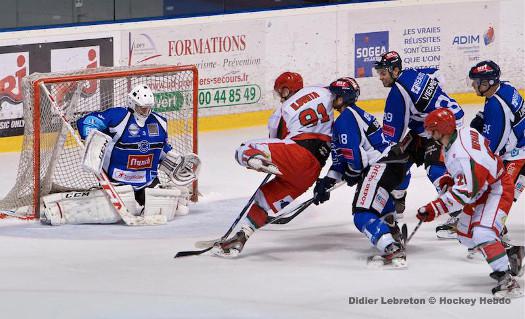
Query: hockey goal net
x,y
50,158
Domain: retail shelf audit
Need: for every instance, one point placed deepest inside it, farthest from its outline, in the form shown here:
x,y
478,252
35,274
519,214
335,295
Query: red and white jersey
x,y
307,114
475,169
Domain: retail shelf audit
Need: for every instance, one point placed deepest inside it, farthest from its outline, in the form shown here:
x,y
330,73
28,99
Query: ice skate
x,y
395,258
231,248
449,229
507,286
516,255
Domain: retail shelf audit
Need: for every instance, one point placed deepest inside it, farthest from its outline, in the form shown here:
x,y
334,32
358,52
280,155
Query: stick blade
x,y
191,252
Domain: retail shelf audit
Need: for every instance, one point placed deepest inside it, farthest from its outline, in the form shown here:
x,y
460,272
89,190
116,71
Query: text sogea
x,y
370,52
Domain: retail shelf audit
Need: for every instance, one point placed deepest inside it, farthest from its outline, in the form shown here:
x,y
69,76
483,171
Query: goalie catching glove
x,y
181,169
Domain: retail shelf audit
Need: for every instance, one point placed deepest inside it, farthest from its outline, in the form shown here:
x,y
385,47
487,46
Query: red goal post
x,y
50,159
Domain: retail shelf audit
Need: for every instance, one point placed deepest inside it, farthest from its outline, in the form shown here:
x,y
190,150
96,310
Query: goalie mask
x,y
141,101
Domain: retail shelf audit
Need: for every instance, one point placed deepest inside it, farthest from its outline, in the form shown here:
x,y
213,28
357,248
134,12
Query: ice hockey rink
x,y
309,268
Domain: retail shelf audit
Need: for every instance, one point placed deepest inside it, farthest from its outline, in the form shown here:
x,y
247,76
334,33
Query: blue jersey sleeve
x,y
101,121
345,145
394,123
495,123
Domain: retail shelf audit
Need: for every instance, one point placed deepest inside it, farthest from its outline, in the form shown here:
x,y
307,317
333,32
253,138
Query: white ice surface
x,y
306,269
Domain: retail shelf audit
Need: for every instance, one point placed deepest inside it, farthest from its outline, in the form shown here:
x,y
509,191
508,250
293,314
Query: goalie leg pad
x,y
89,207
162,202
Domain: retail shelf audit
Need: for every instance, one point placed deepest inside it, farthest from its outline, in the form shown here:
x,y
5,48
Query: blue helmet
x,y
347,88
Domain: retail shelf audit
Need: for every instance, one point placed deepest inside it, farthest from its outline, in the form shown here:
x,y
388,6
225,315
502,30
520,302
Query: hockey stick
x,y
413,232
250,201
281,219
107,187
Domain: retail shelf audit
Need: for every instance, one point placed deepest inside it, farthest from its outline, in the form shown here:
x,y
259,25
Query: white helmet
x,y
140,98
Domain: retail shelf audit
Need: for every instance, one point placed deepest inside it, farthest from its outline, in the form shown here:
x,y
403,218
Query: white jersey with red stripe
x,y
475,169
306,114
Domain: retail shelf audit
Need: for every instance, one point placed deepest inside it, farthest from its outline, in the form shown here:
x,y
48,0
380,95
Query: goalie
x,y
130,145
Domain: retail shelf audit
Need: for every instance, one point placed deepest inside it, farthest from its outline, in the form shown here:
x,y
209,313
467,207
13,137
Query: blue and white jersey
x,y
414,95
357,142
504,122
135,153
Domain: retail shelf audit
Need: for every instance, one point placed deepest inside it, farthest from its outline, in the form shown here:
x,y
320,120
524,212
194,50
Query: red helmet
x,y
441,120
291,80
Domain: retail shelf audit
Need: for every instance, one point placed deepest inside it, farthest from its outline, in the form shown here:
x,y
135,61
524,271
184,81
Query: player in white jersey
x,y
481,188
296,150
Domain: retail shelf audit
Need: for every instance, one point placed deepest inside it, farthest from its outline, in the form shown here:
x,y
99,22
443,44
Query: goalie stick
x,y
244,210
107,187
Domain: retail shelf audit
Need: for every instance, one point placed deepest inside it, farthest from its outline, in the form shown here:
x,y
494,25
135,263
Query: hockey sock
x,y
495,254
257,217
374,228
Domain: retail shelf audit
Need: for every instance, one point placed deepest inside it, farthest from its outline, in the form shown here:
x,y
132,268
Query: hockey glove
x,y
321,193
478,121
351,178
444,183
432,210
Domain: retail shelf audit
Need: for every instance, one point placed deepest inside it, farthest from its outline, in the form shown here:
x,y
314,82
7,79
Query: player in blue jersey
x,y
414,93
362,155
502,120
130,145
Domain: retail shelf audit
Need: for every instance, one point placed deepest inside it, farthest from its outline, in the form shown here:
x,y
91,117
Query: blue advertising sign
x,y
368,47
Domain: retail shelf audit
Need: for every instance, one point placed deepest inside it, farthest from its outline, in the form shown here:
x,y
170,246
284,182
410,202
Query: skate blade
x,y
445,234
378,262
219,252
514,293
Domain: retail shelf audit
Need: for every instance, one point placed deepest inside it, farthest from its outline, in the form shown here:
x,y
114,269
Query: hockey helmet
x,y
290,80
485,70
441,120
141,100
347,88
389,60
